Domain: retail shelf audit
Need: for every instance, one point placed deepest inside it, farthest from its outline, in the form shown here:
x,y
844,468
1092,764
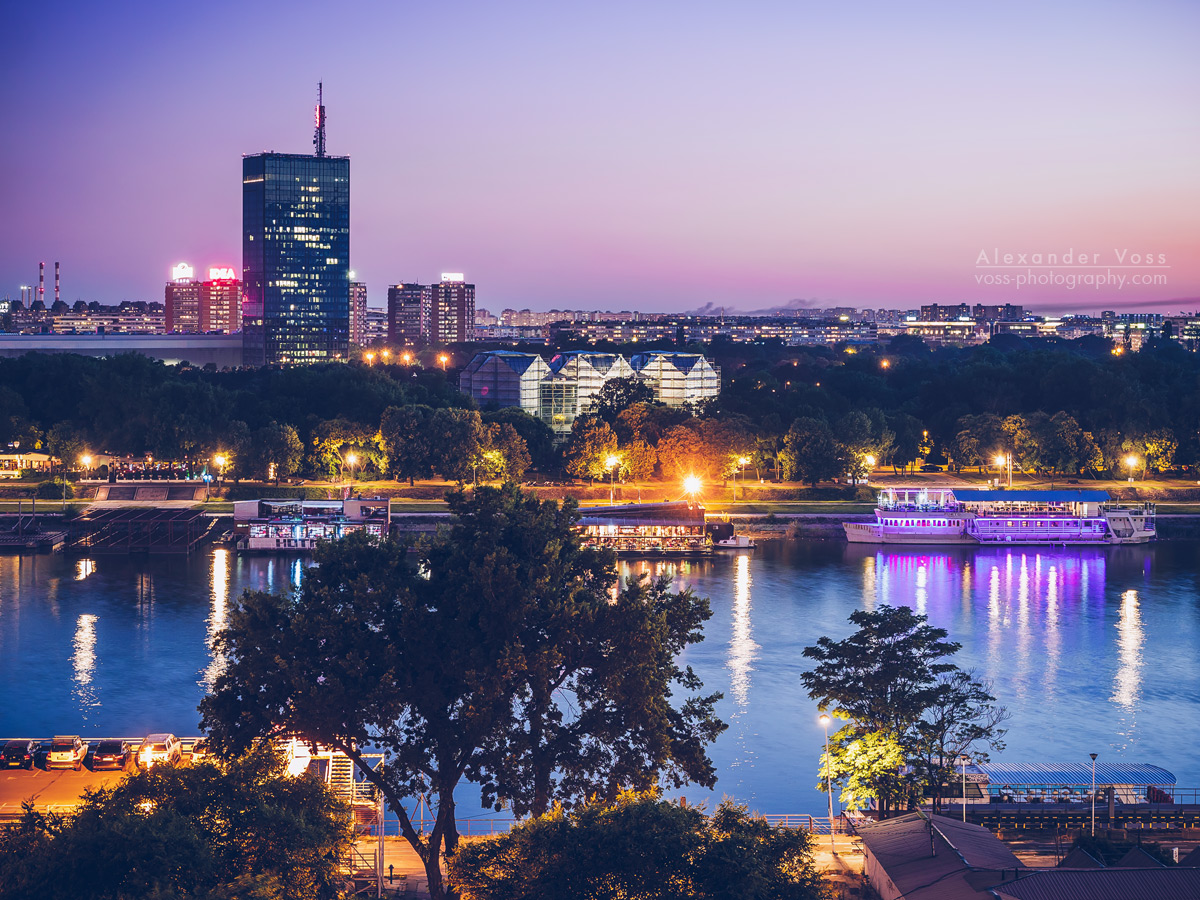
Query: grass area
x,y
790,507
43,506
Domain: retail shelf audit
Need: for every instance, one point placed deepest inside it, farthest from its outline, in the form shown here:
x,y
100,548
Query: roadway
x,y
56,789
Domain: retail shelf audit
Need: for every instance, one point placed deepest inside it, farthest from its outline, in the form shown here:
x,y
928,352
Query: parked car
x,y
201,750
111,755
930,467
66,752
18,753
160,748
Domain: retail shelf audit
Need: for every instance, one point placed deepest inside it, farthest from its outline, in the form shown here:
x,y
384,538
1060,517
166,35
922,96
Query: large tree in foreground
x,y
495,654
910,712
243,830
640,846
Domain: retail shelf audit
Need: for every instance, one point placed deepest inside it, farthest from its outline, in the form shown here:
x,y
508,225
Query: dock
x,y
140,530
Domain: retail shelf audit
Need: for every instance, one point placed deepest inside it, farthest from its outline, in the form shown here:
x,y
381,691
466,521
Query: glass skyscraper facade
x,y
295,258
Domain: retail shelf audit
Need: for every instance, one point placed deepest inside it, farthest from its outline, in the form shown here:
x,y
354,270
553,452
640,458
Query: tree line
x,y
799,414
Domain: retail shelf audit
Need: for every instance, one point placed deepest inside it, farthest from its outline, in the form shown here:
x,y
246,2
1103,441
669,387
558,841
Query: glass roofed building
x,y
559,392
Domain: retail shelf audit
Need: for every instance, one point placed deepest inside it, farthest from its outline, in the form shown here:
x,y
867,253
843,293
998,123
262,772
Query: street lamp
x,y
963,760
742,461
443,359
1131,462
611,464
406,357
351,459
1003,460
386,353
220,459
370,357
1093,756
691,485
825,720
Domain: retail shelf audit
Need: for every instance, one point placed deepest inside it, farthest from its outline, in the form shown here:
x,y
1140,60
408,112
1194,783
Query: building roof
x,y
1137,858
1079,858
1072,773
1102,884
1192,859
929,857
970,496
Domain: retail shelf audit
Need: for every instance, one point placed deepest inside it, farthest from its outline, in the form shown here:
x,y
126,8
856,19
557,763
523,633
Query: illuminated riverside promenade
x,y
1092,649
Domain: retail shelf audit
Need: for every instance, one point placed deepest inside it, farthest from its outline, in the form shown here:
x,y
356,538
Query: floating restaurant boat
x,y
921,515
297,525
647,529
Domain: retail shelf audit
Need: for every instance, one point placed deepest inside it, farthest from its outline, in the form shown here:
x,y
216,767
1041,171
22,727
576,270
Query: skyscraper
x,y
221,302
183,301
296,255
358,313
453,312
409,308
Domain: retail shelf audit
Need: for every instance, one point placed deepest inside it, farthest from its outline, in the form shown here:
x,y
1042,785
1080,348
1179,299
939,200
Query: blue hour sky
x,y
653,156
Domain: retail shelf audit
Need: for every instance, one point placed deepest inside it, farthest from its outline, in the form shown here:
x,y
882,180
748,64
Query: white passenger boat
x,y
735,542
916,515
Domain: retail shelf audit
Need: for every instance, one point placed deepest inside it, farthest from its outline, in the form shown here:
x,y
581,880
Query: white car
x,y
159,748
66,752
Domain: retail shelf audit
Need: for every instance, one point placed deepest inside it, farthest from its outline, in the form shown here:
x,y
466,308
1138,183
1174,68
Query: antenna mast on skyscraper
x,y
319,140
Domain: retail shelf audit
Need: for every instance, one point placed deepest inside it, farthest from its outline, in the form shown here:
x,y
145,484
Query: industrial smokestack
x,y
56,283
42,281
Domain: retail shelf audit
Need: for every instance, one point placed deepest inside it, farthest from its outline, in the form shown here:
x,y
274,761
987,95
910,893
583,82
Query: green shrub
x,y
55,489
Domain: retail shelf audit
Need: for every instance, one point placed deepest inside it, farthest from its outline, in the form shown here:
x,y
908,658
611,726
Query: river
x,y
1091,649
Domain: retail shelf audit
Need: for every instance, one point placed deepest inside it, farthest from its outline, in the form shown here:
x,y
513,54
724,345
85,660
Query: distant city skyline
x,y
660,157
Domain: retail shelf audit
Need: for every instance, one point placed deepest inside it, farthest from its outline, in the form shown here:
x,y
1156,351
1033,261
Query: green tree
x,y
64,442
455,439
591,443
1160,447
405,431
245,829
883,679
273,451
618,394
502,453
334,440
810,452
978,441
868,768
483,656
641,846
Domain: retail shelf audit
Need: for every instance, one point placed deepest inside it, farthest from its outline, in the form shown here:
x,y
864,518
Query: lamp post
x,y
351,459
1131,462
1005,460
742,461
869,459
611,464
691,486
963,759
1093,756
825,720
443,359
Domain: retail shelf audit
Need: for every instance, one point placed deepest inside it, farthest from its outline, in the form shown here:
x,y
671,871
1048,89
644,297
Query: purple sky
x,y
653,156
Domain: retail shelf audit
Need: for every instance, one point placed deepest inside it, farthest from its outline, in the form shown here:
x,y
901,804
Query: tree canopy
x,y
241,830
905,704
641,846
494,654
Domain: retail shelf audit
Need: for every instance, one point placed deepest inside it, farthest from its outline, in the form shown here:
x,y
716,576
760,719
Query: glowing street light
x,y
612,463
386,353
1131,462
443,359
691,485
351,459
884,363
1002,460
370,357
825,720
86,460
743,461
406,357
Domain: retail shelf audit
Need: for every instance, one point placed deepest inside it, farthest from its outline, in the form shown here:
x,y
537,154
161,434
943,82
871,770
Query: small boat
x,y
735,542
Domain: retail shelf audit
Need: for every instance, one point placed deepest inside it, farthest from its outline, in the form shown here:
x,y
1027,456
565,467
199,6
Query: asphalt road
x,y
60,787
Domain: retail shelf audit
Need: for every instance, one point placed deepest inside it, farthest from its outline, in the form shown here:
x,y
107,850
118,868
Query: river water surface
x,y
1091,649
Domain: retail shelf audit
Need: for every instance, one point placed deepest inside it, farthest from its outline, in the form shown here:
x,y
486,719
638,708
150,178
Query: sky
x,y
628,155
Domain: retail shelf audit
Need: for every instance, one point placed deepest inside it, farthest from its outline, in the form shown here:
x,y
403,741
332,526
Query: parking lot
x,y
48,790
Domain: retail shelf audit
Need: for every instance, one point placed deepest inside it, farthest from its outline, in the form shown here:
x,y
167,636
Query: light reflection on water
x,y
1092,649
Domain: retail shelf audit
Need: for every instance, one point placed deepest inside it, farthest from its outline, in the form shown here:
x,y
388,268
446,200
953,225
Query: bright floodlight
x,y
691,484
612,462
1000,460
824,720
1131,461
869,460
351,459
86,460
219,459
742,460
